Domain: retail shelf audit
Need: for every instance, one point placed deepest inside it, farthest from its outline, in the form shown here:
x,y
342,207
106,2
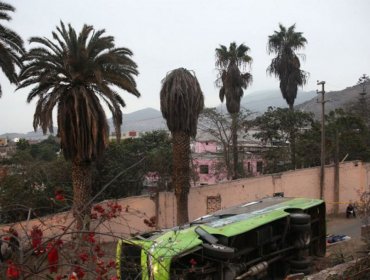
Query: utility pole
x,y
322,171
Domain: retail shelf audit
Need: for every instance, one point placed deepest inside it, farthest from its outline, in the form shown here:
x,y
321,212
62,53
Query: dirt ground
x,y
341,252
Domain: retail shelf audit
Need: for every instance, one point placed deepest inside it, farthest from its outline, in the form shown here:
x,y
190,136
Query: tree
x,y
232,81
276,126
286,66
347,137
22,144
74,73
32,189
219,125
361,105
181,103
154,146
11,47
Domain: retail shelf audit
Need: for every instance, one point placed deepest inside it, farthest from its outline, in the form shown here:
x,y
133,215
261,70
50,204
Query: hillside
x,y
149,119
334,100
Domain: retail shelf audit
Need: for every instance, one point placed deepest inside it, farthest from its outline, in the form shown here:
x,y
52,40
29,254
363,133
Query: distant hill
x,y
142,120
259,101
149,119
38,135
334,100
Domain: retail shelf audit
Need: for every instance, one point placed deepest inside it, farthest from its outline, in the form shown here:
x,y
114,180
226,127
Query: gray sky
x,y
167,34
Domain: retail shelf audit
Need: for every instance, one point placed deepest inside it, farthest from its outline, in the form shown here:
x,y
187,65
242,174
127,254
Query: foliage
x,y
32,187
47,250
286,65
154,146
218,126
181,103
276,126
75,73
12,48
46,150
231,79
350,133
22,144
308,146
360,107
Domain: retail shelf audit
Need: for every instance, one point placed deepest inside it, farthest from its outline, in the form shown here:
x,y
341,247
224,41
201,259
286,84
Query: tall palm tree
x,y
181,103
231,63
11,47
75,73
286,65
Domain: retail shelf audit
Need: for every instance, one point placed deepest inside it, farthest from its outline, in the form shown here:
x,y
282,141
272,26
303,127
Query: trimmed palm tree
x,y
232,80
74,73
11,47
287,67
181,103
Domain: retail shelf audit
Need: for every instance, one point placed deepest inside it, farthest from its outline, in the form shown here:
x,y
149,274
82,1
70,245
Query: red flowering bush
x,y
68,255
12,272
36,240
59,195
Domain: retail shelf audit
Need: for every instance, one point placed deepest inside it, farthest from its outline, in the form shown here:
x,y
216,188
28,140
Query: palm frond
x,y
74,72
181,101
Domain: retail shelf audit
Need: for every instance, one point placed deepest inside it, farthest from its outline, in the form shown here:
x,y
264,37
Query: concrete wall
x,y
354,178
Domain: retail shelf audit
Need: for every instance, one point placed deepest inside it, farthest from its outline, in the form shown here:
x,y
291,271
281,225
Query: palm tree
x,y
75,73
231,62
181,103
11,46
286,65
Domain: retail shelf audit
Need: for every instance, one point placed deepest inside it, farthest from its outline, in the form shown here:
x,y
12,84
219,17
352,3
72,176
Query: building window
x,y
249,167
203,169
259,166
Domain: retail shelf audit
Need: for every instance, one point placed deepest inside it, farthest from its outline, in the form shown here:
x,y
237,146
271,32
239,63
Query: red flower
x,y
59,196
53,257
93,216
98,208
111,264
99,252
83,257
36,238
12,272
80,273
90,237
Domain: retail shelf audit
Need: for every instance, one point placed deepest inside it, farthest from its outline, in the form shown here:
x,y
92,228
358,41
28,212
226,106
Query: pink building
x,y
209,166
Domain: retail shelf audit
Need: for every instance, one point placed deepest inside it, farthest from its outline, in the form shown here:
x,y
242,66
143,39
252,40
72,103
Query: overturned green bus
x,y
264,239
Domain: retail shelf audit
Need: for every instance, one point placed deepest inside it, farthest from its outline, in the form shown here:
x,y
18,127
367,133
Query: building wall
x,y
205,146
354,178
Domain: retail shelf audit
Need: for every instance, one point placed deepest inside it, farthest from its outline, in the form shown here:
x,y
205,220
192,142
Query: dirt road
x,y
342,225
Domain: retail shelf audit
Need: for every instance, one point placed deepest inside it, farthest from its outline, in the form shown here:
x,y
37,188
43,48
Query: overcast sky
x,y
167,34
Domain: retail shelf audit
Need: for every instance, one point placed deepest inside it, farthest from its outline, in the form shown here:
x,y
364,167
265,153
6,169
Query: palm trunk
x,y
292,142
181,174
234,132
81,180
